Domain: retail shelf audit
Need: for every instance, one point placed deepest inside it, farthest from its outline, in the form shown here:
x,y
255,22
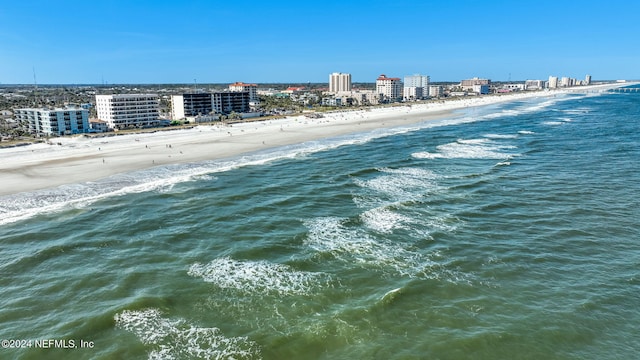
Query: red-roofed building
x,y
389,89
252,89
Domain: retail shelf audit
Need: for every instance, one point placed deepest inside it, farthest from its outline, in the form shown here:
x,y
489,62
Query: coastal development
x,y
119,110
89,158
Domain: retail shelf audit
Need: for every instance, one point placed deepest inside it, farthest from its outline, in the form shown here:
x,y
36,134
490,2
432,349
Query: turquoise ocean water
x,y
506,232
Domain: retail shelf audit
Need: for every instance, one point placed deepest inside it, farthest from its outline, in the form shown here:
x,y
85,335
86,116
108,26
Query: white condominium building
x,y
128,110
390,89
62,121
339,82
553,82
417,81
413,93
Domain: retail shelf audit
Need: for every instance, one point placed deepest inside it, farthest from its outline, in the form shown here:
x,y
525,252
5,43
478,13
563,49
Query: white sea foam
x,y
526,132
404,184
258,277
384,220
552,123
469,149
353,245
330,235
426,155
177,339
500,136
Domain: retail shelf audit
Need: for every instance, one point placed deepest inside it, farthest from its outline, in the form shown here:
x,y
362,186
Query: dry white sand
x,y
79,159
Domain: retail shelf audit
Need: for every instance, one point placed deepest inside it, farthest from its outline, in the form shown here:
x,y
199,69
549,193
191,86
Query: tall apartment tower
x,y
339,82
418,81
128,110
553,82
389,89
587,80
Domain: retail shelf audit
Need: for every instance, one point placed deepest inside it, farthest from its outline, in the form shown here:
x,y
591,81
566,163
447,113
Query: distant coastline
x,y
79,159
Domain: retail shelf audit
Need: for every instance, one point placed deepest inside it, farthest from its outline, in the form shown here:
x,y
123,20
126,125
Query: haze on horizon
x,y
121,42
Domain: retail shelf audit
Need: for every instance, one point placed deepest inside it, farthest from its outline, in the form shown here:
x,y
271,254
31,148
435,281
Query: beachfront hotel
x,y
339,82
128,110
60,121
389,89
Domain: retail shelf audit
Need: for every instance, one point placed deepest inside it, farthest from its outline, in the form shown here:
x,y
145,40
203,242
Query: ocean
x,y
509,231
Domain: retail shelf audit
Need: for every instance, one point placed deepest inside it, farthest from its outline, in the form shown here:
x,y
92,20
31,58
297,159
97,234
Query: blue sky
x,y
70,42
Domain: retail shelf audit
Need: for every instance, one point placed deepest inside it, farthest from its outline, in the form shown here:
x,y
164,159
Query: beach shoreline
x,y
69,160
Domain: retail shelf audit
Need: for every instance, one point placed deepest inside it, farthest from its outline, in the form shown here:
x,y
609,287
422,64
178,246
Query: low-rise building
x,y
98,126
436,91
480,89
534,85
468,84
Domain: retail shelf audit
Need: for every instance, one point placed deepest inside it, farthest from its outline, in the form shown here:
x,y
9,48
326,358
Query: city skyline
x,y
117,42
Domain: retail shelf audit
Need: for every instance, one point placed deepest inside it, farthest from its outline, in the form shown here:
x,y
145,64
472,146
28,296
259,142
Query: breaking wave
x,y
177,339
258,277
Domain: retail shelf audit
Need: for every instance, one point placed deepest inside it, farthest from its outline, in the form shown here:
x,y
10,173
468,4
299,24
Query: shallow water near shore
x,y
508,232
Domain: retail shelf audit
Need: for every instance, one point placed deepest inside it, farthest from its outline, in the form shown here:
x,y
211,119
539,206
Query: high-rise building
x,y
339,82
565,81
553,82
205,104
190,104
128,110
389,89
61,121
226,102
418,81
412,93
587,80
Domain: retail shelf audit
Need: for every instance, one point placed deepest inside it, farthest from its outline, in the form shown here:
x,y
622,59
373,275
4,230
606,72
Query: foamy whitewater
x,y
505,231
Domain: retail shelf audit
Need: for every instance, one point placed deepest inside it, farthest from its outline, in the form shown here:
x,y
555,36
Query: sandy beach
x,y
79,159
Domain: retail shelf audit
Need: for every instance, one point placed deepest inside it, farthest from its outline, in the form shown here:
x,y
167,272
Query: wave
x,y
469,149
177,339
397,185
353,245
23,206
257,277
